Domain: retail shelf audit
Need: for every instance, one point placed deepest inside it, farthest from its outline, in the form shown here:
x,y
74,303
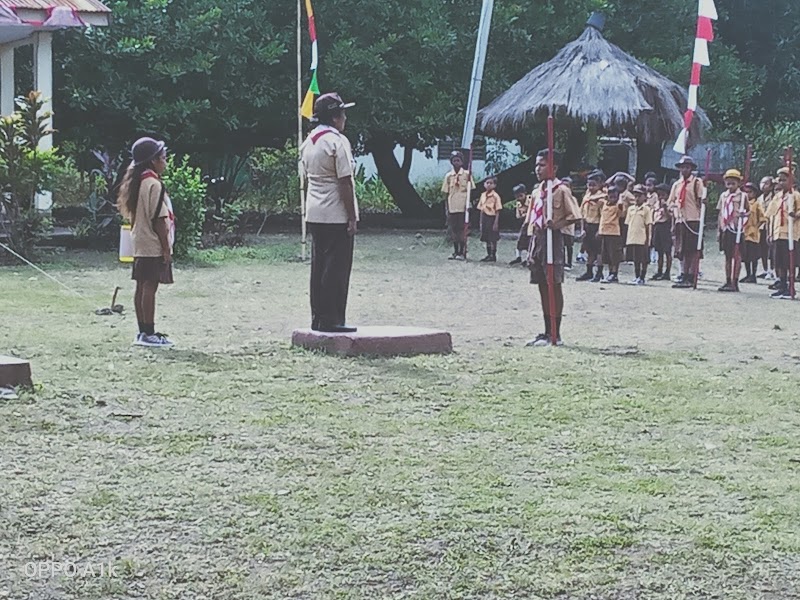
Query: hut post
x,y
592,147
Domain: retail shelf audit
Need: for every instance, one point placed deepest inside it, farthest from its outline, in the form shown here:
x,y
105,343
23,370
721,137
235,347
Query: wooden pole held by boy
x,y
792,208
550,267
702,227
743,208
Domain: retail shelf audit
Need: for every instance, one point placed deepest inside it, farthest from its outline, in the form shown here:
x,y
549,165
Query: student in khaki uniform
x,y
490,206
767,186
624,184
611,233
784,206
523,201
590,211
755,220
650,182
662,234
732,207
569,230
565,211
640,224
326,159
144,201
688,194
456,188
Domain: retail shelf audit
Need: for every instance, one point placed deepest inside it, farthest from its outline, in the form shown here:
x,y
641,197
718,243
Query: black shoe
x,y
778,285
337,328
597,278
486,258
585,277
763,275
612,278
492,258
516,261
657,277
683,285
726,288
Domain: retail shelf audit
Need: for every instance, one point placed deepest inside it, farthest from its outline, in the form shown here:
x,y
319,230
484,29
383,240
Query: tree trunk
x,y
394,178
408,155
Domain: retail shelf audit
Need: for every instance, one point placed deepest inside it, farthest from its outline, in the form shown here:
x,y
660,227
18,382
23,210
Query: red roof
x,y
85,6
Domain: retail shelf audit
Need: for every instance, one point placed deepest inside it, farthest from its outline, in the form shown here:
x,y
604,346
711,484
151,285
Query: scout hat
x,y
733,174
145,150
685,160
457,153
596,175
329,102
784,171
639,189
750,186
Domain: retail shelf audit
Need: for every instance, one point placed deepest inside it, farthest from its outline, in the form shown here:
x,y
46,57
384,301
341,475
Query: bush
x,y
187,192
430,191
273,180
24,172
372,195
769,145
71,187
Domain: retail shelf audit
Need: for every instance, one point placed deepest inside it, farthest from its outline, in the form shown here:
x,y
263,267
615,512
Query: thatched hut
x,y
592,81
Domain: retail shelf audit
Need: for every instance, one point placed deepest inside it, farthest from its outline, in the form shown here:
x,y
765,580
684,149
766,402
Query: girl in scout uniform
x,y
662,234
732,206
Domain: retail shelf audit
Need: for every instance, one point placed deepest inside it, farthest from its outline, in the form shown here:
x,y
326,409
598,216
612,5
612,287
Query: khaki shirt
x,y
610,214
755,220
765,200
639,220
325,158
652,201
628,199
144,237
565,207
490,203
778,213
590,207
457,187
739,199
695,192
662,213
522,207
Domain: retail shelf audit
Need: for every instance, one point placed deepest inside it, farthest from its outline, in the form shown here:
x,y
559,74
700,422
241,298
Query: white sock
x,y
519,253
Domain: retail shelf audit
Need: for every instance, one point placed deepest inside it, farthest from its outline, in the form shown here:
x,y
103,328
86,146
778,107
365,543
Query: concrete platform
x,y
376,341
14,372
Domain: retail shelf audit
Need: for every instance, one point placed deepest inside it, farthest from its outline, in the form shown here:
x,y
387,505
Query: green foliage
x,y
372,195
273,180
24,172
72,187
769,145
197,72
187,191
101,227
430,191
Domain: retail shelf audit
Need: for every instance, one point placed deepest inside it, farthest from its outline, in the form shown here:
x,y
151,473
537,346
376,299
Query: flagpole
x,y
468,134
300,131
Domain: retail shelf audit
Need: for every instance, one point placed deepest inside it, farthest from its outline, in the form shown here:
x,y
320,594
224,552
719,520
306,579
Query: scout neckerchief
x,y
729,208
684,189
320,131
537,209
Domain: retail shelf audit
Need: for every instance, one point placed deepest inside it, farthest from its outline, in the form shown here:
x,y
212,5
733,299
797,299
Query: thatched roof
x,y
591,79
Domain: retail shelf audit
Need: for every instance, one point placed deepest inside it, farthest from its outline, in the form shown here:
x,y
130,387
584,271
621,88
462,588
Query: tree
x,y
207,76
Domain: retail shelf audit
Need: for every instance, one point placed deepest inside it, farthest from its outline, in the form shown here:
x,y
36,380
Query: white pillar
x,y
6,80
43,78
43,82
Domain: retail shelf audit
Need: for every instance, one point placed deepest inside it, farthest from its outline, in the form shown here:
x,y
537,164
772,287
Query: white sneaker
x,y
634,282
155,340
640,282
138,340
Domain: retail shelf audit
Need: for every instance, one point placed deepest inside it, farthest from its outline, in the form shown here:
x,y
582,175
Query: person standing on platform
x,y
331,212
456,188
688,194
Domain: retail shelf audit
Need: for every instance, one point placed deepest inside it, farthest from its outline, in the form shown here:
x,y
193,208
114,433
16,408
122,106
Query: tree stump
x,y
15,372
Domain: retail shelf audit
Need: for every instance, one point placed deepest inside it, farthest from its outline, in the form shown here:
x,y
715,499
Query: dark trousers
x,y
331,263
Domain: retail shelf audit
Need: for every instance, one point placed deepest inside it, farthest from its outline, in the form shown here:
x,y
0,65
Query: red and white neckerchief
x,y
537,208
684,188
320,131
729,209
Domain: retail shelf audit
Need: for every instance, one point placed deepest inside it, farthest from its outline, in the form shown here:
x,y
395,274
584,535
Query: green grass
x,y
261,471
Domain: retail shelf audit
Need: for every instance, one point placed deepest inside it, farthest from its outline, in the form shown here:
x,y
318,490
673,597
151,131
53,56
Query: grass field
x,y
655,456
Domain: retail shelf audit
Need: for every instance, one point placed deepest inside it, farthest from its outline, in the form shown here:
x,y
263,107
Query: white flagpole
x,y
478,63
300,131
